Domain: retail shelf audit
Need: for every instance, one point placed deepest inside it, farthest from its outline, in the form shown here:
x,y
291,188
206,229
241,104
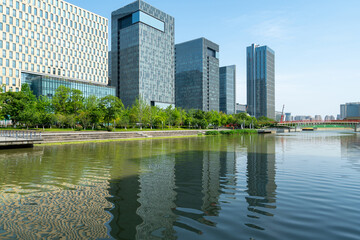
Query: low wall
x,y
53,137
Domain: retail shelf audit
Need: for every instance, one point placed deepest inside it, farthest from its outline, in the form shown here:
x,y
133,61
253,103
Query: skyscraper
x,y
51,43
260,81
142,52
350,110
228,89
197,75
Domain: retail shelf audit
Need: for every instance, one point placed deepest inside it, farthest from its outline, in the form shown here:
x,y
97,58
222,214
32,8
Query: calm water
x,y
290,186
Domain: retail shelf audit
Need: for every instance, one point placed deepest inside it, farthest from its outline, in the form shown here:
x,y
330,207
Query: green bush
x,y
78,127
212,133
109,128
227,132
245,131
98,128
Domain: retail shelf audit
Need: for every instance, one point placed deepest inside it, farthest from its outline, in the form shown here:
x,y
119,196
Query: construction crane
x,y
282,114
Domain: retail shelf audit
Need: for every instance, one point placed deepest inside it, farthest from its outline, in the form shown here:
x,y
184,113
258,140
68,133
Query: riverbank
x,y
58,138
115,140
55,138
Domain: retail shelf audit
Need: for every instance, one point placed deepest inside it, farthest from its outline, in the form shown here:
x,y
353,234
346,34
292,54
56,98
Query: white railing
x,y
29,135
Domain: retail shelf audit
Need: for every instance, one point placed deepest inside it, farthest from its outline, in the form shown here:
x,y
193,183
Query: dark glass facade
x,y
47,85
143,54
228,89
197,75
260,81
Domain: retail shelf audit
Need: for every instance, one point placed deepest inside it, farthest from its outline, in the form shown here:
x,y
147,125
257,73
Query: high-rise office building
x,y
350,110
197,75
51,43
260,81
143,54
228,89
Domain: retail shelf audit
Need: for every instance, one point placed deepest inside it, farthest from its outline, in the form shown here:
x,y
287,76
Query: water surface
x,y
287,186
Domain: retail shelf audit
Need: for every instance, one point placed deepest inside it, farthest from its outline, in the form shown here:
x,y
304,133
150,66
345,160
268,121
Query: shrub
x,y
109,128
212,133
98,128
228,132
78,127
245,131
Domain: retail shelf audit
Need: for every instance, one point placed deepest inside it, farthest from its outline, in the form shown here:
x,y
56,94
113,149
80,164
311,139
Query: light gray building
x,y
241,108
228,89
143,54
318,118
260,81
329,118
197,75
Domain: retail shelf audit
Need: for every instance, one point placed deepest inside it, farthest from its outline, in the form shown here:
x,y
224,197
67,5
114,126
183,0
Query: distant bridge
x,y
320,122
355,124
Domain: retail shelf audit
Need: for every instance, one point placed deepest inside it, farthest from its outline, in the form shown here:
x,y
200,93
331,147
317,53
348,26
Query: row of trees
x,y
68,108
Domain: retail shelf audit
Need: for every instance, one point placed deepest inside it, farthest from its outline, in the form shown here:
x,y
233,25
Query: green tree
x,y
124,119
111,107
91,112
17,105
153,112
139,110
44,109
70,120
76,101
176,117
61,100
60,120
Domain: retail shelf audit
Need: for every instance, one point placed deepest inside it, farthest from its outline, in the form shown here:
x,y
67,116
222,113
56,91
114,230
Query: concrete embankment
x,y
57,137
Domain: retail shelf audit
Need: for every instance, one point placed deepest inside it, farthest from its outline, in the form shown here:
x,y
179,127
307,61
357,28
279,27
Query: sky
x,y
316,44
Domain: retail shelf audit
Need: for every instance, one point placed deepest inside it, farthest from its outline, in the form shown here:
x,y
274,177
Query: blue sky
x,y
316,43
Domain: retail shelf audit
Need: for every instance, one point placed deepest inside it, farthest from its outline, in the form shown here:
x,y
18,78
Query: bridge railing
x,y
28,135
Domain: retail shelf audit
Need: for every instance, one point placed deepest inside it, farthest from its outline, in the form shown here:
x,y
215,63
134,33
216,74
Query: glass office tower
x,y
143,54
197,75
260,81
228,89
52,38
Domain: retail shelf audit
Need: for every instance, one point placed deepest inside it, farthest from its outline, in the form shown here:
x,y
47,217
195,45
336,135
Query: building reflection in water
x,y
171,191
261,186
350,146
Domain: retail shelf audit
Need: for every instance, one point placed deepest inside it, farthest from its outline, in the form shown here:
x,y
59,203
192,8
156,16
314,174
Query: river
x,y
285,186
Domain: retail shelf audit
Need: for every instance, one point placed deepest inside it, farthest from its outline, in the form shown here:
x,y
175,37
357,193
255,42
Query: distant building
x,y
303,118
260,81
278,116
288,117
338,117
350,110
329,118
318,118
240,108
197,75
143,54
227,89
